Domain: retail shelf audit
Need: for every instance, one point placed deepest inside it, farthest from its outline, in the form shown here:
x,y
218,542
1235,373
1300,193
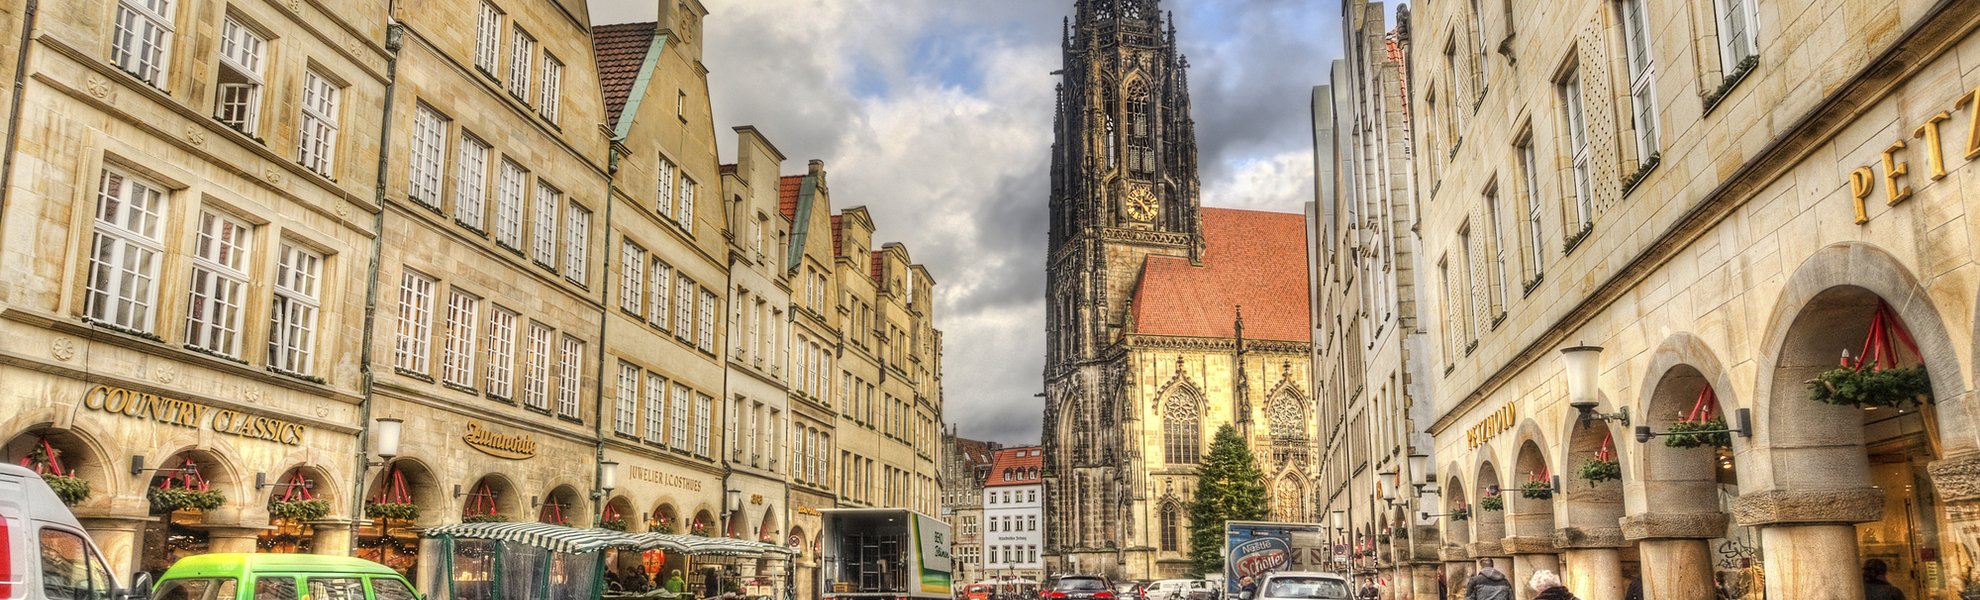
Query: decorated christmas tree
x,y
1229,487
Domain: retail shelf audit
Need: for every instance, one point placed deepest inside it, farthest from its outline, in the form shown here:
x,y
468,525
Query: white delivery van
x,y
44,552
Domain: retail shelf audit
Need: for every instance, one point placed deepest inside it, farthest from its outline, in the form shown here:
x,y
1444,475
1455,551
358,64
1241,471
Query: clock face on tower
x,y
1140,205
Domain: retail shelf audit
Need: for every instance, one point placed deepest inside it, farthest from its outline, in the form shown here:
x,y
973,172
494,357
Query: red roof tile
x,y
787,194
1023,463
728,168
975,452
838,236
879,267
620,49
1253,259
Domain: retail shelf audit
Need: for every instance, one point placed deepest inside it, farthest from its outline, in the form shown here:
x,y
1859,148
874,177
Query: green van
x,y
280,577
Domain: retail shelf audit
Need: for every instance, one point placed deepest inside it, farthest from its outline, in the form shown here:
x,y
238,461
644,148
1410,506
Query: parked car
x,y
1079,587
1183,589
1303,585
280,577
44,551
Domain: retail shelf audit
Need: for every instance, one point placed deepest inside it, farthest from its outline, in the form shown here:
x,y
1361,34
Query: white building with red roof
x,y
1012,514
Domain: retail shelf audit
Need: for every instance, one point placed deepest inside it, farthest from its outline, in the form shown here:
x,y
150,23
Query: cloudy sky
x,y
937,114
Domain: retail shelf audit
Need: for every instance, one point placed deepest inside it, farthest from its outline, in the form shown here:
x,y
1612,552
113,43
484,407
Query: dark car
x,y
1079,587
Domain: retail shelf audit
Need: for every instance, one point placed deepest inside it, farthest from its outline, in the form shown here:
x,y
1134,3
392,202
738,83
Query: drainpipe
x,y
14,112
394,40
604,320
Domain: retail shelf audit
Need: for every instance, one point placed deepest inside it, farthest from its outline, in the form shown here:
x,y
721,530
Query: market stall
x,y
532,561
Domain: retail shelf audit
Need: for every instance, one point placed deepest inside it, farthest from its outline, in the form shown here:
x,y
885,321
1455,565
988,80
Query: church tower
x,y
1124,187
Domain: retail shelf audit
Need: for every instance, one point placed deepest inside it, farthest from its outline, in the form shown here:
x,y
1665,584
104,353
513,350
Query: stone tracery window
x,y
1288,500
1288,418
1141,153
1171,528
1181,433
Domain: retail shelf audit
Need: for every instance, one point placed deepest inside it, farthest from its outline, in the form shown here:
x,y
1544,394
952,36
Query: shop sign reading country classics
x,y
140,405
513,447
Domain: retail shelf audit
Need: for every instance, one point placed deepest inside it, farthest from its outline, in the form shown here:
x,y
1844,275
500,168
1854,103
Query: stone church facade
x,y
1165,320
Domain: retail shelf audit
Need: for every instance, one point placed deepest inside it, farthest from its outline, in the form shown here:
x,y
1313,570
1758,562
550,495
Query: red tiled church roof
x,y
787,194
1024,464
1252,259
620,49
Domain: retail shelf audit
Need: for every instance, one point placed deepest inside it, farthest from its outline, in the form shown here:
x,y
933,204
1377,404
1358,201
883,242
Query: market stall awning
x,y
717,546
555,538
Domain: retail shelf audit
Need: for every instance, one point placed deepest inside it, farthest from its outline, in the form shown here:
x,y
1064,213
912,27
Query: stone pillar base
x,y
1423,581
118,536
1593,573
330,537
1678,569
223,539
1523,568
1816,562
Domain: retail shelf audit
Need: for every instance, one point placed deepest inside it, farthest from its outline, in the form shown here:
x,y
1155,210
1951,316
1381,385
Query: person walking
x,y
1549,586
1488,583
1877,583
1369,591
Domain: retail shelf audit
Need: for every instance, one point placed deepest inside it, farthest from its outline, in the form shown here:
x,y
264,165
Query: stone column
x,y
232,538
1677,560
1423,583
1530,554
330,537
118,535
1593,573
1808,541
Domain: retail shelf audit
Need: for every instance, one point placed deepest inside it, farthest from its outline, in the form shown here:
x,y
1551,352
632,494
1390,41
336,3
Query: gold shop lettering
x,y
1494,424
494,444
667,479
141,405
1865,179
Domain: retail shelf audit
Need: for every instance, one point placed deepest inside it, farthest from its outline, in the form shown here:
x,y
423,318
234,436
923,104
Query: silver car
x,y
1303,585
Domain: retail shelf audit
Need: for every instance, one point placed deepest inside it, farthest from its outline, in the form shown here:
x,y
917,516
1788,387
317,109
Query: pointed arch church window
x,y
1181,434
1171,527
1289,500
1288,418
1140,153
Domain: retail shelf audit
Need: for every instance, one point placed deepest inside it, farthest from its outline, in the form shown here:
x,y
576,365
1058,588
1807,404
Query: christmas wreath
x,y
1874,379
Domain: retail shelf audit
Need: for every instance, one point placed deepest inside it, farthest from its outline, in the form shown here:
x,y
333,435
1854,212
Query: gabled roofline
x,y
630,112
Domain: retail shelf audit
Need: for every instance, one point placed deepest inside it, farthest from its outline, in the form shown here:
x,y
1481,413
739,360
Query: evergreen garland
x,y
1492,502
396,511
1596,470
1901,387
490,518
1536,490
1461,514
618,524
45,459
299,510
72,490
1229,487
173,499
1681,435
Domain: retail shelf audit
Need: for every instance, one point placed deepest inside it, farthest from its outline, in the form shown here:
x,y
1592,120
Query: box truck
x,y
1253,548
884,554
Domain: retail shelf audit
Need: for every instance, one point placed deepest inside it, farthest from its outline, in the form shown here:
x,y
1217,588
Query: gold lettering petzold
x,y
182,413
1495,423
494,444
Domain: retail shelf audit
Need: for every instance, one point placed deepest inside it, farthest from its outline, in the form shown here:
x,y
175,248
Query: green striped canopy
x,y
555,538
717,546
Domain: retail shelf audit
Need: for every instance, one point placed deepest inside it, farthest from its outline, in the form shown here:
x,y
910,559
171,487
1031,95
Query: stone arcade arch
x,y
1456,550
1488,527
1530,521
1825,467
1591,542
185,532
562,505
393,542
1681,493
296,486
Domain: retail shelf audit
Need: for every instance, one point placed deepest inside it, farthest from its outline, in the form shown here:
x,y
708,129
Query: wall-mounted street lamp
x,y
1742,426
1583,395
137,467
1419,464
388,430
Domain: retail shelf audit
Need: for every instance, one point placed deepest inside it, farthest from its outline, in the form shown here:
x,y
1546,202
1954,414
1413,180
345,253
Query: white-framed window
x,y
1642,76
1536,254
569,379
458,354
665,199
686,205
625,405
684,308
429,142
661,281
471,181
1736,40
219,283
237,96
292,330
509,205
632,276
488,38
677,433
1495,258
704,407
577,242
706,335
501,354
316,138
1584,203
536,366
656,408
415,323
552,91
143,41
543,225
522,56
126,251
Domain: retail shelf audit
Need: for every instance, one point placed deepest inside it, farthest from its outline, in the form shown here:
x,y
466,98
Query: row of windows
x,y
549,75
991,497
142,46
127,256
1013,523
810,455
1014,554
650,288
430,135
642,409
551,366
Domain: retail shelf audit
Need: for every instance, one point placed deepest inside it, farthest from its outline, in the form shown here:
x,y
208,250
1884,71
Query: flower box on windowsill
x,y
124,330
1526,287
1574,239
1642,171
294,375
1738,74
214,354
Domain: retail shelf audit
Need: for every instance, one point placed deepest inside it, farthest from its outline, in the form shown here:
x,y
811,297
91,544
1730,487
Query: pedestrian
x,y
1247,589
711,583
1549,586
1876,581
675,583
1369,591
1635,591
1488,583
